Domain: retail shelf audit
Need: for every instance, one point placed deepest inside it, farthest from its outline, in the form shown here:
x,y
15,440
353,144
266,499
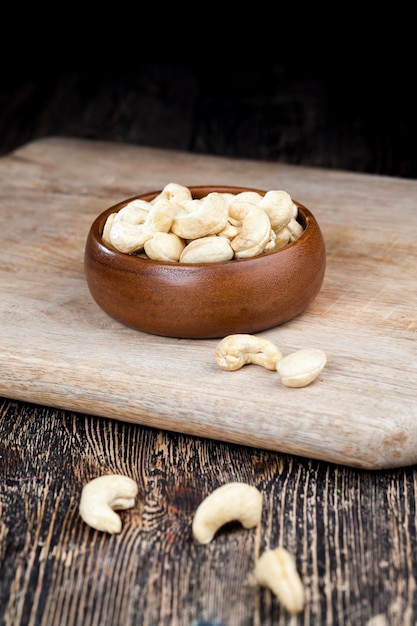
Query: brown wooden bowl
x,y
206,300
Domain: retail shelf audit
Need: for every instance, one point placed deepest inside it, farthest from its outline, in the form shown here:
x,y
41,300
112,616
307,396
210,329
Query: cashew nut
x,y
300,368
249,196
279,207
173,191
134,212
207,250
282,237
102,496
164,247
230,230
295,229
233,501
276,569
255,232
107,228
235,351
208,218
127,237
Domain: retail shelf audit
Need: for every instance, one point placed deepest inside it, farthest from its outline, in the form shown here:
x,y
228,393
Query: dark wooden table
x,y
352,530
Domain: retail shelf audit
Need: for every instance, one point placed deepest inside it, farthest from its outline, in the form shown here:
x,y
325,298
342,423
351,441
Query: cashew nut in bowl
x,y
234,501
282,237
134,212
235,351
208,218
107,228
127,237
279,207
295,229
249,196
102,496
207,250
255,232
164,247
276,569
173,191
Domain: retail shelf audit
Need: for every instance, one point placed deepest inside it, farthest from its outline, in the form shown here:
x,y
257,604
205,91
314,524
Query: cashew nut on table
x,y
102,496
248,224
276,569
234,501
235,351
298,369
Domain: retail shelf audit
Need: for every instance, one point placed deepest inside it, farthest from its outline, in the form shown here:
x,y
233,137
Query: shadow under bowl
x,y
206,300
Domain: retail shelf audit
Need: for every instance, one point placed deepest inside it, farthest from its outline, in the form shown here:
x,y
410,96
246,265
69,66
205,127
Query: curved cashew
x,y
276,569
107,228
235,351
127,237
102,496
135,212
279,207
209,218
230,230
282,237
249,196
164,247
255,232
211,249
295,228
233,501
173,191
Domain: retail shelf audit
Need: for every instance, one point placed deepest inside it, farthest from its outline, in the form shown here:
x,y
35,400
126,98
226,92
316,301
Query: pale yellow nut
x,y
127,237
209,218
164,247
107,227
282,238
248,196
255,232
102,496
300,368
173,191
189,206
255,250
276,570
279,207
234,501
295,229
230,230
235,351
134,212
228,197
213,249
159,219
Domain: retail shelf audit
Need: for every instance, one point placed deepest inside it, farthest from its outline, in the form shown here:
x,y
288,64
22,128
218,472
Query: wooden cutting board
x,y
59,349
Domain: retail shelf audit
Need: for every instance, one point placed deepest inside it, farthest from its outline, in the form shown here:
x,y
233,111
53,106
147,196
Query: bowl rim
x,y
97,226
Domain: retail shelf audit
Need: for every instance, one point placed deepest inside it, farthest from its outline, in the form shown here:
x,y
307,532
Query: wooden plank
x,y
352,533
59,349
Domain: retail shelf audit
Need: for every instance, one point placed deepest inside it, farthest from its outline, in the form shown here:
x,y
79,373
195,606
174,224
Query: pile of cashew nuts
x,y
233,501
297,369
174,226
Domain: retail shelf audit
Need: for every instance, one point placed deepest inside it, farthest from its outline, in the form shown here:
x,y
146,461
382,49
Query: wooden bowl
x,y
206,300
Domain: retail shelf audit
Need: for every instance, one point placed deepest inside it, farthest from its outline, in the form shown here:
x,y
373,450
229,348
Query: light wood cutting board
x,y
58,348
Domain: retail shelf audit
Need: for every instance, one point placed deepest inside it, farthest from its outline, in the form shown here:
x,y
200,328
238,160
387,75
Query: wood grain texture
x,y
352,532
59,349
